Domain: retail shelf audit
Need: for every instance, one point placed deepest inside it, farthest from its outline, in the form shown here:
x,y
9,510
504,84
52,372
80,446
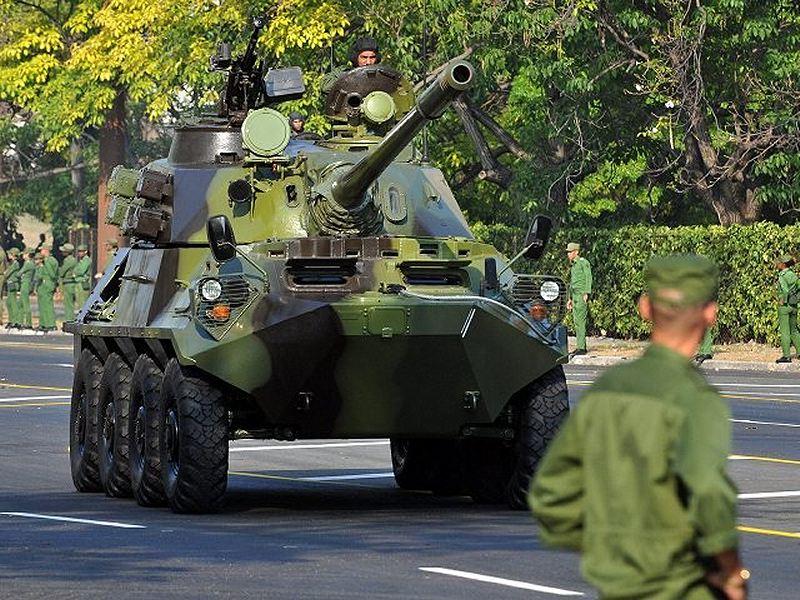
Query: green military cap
x,y
68,248
573,246
14,251
784,259
29,251
82,248
681,280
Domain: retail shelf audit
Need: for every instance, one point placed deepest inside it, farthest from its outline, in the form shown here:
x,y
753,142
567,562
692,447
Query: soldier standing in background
x,y
12,290
111,251
788,299
636,477
580,286
47,281
66,278
2,278
706,351
83,276
25,287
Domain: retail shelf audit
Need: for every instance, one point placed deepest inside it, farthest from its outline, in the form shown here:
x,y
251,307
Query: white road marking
x,y
788,494
347,477
765,423
73,520
308,446
522,585
21,398
65,365
746,395
756,385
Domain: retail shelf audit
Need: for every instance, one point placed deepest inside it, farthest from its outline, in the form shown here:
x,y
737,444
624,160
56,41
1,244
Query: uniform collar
x,y
665,355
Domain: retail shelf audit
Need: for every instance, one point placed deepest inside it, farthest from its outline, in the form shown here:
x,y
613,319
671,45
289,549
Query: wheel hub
x,y
173,440
80,423
109,422
138,435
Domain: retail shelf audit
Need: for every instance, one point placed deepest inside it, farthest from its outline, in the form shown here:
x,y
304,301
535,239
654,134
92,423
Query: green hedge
x,y
744,254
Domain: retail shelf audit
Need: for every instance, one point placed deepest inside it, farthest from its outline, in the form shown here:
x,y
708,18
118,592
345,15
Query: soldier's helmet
x,y
82,248
14,251
364,44
67,248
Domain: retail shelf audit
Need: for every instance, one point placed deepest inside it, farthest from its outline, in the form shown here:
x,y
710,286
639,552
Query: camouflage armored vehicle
x,y
288,288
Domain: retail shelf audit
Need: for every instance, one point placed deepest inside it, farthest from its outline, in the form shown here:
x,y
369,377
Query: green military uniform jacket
x,y
83,274
580,277
12,276
787,280
26,275
66,271
636,480
48,273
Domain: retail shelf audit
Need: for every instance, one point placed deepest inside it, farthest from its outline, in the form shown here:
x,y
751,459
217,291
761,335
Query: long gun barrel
x,y
349,189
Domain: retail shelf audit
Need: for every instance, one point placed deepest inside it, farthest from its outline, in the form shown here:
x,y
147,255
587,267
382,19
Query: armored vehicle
x,y
279,287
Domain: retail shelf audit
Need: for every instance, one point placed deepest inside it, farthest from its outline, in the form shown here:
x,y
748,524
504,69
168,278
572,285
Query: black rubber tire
x,y
145,431
501,471
113,421
423,464
194,441
83,423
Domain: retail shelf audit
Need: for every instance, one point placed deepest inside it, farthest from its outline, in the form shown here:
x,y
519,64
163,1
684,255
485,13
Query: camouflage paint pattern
x,y
367,320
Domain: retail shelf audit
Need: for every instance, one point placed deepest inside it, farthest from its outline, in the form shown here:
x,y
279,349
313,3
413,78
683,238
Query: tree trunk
x,y
730,195
78,177
113,140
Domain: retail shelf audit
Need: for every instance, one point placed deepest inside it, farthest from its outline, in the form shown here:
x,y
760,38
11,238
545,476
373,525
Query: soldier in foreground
x,y
636,479
26,286
83,276
580,286
788,299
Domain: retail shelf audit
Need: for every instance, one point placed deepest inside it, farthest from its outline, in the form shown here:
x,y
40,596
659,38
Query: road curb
x,y
709,365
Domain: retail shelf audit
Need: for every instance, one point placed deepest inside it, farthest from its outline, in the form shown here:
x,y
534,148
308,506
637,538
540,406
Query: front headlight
x,y
210,290
549,291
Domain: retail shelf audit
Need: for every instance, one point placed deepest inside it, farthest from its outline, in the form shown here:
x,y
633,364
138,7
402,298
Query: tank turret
x,y
349,188
341,201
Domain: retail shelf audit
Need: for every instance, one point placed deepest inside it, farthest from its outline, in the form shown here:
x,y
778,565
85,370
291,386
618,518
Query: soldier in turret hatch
x,y
363,53
297,122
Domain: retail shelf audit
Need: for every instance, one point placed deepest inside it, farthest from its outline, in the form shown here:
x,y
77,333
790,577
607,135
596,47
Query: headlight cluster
x,y
549,291
210,290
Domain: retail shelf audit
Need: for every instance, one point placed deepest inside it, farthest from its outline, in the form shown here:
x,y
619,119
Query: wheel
x,y
146,419
501,471
194,441
83,423
427,465
113,418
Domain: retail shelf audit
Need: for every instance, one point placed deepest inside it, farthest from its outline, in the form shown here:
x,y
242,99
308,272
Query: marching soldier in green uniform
x,y
67,282
580,286
636,477
83,276
47,280
12,290
25,287
788,299
706,351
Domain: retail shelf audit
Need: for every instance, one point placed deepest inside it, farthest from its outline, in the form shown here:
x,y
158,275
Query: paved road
x,y
323,519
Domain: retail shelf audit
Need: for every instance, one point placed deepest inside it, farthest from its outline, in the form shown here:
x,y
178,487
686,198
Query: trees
x,y
709,92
